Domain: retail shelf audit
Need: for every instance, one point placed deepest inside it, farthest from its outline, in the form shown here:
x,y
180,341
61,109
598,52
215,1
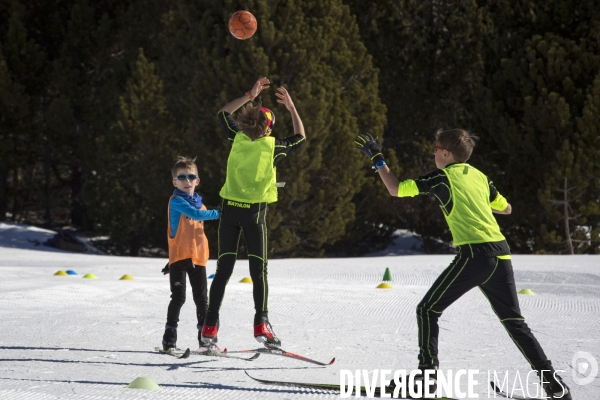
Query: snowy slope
x,y
65,337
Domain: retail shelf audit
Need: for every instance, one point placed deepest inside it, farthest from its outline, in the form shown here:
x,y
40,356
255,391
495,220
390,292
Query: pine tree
x,y
534,94
588,236
83,76
430,57
22,65
55,56
134,164
562,195
14,107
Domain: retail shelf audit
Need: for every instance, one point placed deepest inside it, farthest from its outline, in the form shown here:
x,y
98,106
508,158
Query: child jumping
x,y
250,185
188,247
467,198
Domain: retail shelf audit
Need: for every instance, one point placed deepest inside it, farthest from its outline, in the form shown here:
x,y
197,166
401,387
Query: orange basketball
x,y
242,25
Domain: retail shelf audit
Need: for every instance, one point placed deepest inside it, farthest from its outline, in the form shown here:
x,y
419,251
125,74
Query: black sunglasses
x,y
190,177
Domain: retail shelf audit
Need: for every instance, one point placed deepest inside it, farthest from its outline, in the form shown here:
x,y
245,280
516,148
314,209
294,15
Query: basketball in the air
x,y
242,25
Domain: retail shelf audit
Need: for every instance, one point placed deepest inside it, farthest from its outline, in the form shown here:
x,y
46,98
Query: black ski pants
x,y
495,278
197,276
236,218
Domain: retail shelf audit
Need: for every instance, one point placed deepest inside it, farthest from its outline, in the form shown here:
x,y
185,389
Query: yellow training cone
x,y
384,285
527,291
90,276
143,382
126,277
246,280
61,273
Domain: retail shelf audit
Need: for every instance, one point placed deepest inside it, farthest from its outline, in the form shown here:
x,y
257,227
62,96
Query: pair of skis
x,y
182,354
179,353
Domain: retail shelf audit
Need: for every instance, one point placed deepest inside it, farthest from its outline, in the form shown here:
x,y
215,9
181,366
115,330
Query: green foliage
x,y
96,122
516,73
529,114
430,58
21,74
561,197
587,235
55,56
134,164
81,82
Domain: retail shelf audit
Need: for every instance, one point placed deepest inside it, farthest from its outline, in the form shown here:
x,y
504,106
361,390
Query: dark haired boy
x,y
467,198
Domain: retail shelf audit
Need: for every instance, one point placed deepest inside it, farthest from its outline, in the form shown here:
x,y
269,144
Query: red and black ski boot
x,y
263,333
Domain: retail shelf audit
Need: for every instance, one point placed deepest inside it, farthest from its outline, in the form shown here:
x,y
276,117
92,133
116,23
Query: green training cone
x,y
126,277
61,273
246,280
527,291
143,383
387,276
384,286
90,276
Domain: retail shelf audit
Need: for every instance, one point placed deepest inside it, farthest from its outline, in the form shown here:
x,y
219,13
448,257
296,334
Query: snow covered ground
x,y
66,337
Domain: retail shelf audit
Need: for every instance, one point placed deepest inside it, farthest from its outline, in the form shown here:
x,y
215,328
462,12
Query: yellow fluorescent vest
x,y
471,219
250,171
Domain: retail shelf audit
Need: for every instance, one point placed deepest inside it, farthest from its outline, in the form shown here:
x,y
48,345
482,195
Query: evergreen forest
x,y
98,98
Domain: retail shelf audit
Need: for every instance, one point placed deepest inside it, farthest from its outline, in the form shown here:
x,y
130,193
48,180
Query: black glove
x,y
165,270
369,146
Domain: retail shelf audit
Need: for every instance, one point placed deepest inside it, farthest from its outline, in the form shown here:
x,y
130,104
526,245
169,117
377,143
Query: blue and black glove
x,y
372,149
165,270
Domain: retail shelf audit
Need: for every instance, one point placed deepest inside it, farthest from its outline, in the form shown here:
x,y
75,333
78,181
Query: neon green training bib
x,y
471,219
250,171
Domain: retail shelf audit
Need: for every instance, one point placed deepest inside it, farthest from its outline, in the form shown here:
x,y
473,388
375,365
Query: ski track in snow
x,y
74,338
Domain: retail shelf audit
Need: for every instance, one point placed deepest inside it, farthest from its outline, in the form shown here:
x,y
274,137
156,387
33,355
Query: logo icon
x,y
585,368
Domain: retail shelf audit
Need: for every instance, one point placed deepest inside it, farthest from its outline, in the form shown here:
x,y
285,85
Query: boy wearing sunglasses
x,y
467,198
249,186
188,247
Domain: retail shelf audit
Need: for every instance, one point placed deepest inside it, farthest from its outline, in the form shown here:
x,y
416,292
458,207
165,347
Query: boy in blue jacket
x,y
188,247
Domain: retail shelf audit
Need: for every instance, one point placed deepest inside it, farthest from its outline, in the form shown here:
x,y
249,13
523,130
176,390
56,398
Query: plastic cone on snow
x,y
143,382
90,276
60,273
71,272
527,292
387,276
126,277
384,285
246,280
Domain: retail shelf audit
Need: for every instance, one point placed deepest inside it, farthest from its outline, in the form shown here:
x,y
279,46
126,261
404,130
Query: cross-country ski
x,y
283,353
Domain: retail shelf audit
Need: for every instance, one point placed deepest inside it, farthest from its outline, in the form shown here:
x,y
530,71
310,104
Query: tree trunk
x,y
566,216
48,195
77,208
3,194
